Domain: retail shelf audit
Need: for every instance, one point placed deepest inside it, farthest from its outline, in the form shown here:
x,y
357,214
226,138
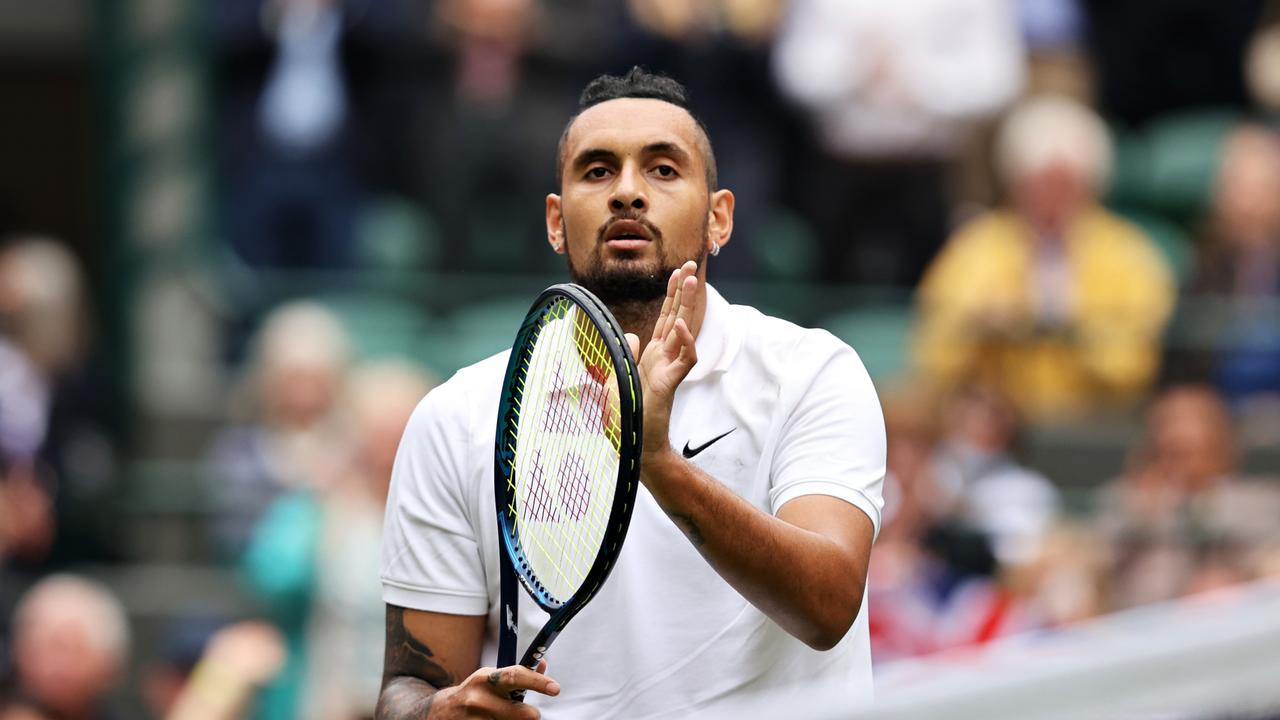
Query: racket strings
x,y
568,442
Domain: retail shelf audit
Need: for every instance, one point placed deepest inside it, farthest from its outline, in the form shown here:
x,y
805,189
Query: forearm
x,y
405,698
807,583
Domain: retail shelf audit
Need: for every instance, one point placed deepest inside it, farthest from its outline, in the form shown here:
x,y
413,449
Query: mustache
x,y
654,233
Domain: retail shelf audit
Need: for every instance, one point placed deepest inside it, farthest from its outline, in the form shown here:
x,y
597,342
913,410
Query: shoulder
x,y
797,355
455,401
1107,229
1118,239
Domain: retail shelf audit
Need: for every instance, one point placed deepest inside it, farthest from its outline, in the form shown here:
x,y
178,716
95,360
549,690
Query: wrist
x,y
657,463
439,702
219,685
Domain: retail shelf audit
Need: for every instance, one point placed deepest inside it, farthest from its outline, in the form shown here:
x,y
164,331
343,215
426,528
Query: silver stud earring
x,y
556,246
715,248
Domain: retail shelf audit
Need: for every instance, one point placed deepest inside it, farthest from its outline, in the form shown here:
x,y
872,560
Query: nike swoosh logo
x,y
689,452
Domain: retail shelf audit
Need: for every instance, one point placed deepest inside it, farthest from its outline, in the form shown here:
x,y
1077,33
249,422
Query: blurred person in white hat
x,y
314,557
1054,299
289,435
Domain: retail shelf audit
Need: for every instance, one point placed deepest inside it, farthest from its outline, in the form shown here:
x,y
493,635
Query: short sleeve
x,y
431,558
832,439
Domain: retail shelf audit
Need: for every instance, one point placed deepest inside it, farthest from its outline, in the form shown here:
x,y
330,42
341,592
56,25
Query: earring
x,y
715,248
556,246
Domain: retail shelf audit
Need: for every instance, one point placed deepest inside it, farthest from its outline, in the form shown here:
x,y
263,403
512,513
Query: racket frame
x,y
512,561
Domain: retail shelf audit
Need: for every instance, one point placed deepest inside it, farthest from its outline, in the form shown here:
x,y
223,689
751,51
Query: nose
x,y
628,192
618,203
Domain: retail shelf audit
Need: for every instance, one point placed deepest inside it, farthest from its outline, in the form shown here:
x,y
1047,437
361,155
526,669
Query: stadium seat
x,y
396,234
879,334
484,328
1176,245
1184,159
786,248
382,326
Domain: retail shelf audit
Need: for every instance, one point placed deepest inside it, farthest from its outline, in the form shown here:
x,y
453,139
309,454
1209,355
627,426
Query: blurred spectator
x,y
40,305
1262,65
499,88
292,437
915,497
934,580
71,646
1240,266
1066,581
892,88
704,43
304,113
56,461
238,660
1055,300
1182,519
1013,505
314,559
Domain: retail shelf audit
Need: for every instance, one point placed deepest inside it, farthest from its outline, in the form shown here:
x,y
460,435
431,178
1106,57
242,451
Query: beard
x,y
632,289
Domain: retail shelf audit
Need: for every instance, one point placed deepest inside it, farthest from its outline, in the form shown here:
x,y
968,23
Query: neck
x,y
640,317
637,317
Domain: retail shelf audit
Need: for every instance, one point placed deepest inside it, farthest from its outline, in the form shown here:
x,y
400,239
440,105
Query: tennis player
x,y
763,458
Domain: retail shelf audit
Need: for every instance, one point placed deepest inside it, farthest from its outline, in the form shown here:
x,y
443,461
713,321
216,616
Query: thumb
x,y
633,341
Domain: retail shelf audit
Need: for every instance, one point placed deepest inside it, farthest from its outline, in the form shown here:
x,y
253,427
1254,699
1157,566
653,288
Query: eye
x,y
598,172
665,171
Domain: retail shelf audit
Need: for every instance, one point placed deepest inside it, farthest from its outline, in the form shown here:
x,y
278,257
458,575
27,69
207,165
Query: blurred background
x,y
242,238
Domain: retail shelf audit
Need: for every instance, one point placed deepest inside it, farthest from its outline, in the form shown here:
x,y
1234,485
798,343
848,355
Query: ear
x,y
555,225
720,219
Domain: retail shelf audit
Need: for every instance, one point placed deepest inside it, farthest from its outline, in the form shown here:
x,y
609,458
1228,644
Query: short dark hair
x,y
638,83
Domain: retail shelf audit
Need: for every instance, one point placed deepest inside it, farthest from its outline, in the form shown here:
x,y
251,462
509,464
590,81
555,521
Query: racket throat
x,y
538,648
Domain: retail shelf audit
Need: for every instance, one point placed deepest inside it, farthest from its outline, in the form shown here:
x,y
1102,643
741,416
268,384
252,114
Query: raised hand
x,y
669,355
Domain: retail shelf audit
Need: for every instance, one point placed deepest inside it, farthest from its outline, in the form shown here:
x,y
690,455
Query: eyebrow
x,y
586,157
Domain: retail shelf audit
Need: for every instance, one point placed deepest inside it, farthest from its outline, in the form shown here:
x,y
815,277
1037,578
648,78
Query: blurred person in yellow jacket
x,y
1054,299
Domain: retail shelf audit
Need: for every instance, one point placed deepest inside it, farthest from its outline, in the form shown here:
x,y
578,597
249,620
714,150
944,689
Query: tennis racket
x,y
567,461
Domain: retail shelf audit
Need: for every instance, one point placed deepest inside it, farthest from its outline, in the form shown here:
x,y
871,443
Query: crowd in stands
x,y
1080,197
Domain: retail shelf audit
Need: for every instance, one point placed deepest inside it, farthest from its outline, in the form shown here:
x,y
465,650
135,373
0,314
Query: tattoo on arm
x,y
410,675
690,529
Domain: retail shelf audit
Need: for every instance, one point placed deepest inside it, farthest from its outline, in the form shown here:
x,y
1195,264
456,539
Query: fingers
x,y
633,342
503,681
659,327
496,692
487,705
686,295
682,291
680,346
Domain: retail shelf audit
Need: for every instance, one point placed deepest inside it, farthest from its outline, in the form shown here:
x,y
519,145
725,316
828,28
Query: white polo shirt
x,y
666,636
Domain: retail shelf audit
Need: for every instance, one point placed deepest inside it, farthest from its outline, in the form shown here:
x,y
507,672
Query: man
x,y
1054,300
763,453
70,648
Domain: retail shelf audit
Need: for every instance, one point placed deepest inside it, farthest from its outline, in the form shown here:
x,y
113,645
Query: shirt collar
x,y
718,339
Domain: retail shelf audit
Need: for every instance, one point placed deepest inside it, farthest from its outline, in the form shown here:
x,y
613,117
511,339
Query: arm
x,y
431,558
805,567
238,660
432,670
